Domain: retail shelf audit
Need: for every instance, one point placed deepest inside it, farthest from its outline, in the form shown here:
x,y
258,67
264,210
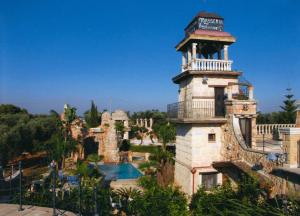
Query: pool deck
x,y
12,210
125,183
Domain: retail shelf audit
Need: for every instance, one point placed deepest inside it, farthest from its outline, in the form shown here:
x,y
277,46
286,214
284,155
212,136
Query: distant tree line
x,y
22,132
287,115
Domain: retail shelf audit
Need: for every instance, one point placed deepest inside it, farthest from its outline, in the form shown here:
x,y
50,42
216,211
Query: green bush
x,y
156,200
94,158
125,145
149,148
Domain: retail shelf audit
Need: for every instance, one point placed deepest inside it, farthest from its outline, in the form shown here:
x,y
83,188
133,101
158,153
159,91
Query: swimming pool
x,y
119,171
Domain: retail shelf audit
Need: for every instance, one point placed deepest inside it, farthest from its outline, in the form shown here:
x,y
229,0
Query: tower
x,y
210,95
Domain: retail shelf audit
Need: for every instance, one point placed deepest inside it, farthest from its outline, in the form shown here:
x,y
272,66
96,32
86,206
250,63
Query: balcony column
x,y
189,55
229,92
189,58
194,55
183,61
226,52
219,54
250,89
194,50
199,50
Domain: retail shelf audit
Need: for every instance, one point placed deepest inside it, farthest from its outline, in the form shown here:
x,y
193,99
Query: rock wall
x,y
235,151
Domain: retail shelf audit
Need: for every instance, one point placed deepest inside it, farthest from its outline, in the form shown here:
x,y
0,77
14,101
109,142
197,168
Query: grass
x,y
151,149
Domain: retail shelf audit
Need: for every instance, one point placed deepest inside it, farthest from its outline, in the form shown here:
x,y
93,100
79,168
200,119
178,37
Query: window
x,y
209,180
212,137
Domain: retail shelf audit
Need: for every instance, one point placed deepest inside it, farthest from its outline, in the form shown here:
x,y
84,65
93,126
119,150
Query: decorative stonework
x,y
235,151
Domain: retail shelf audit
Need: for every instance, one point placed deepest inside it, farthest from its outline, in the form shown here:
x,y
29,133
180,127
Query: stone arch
x,y
90,146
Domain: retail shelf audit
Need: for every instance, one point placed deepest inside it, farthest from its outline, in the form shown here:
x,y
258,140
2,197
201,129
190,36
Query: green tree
x,y
69,144
58,148
159,201
92,116
289,108
120,129
11,109
166,133
21,131
223,200
125,145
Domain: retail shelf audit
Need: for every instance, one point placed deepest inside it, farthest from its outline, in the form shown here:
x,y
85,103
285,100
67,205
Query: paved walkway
x,y
269,146
12,210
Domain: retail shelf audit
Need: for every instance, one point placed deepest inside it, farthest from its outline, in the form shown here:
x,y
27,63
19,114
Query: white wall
x,y
183,143
203,151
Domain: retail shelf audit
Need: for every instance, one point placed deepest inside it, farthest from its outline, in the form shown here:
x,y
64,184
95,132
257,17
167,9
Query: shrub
x,y
125,145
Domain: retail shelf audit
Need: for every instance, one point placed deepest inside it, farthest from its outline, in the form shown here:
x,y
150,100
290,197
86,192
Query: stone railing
x,y
267,129
208,65
202,109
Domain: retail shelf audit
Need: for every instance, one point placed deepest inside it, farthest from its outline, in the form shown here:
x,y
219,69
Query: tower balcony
x,y
195,111
208,65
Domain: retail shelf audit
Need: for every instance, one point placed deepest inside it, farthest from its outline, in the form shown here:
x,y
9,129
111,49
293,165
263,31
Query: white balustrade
x,y
268,129
208,65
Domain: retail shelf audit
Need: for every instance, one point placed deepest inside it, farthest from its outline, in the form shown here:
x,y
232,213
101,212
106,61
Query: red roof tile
x,y
211,33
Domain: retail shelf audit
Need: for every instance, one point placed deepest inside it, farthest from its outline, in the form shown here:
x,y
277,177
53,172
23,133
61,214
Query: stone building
x,y
102,139
211,94
106,134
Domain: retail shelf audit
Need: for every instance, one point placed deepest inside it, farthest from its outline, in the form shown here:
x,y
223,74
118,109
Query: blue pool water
x,y
119,171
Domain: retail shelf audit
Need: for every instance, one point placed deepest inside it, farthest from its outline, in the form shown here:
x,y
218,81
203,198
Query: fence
x,y
197,110
268,129
60,193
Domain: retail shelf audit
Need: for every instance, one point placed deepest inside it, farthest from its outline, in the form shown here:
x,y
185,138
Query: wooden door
x,y
219,101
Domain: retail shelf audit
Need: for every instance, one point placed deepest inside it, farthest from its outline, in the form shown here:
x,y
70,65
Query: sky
x,y
121,54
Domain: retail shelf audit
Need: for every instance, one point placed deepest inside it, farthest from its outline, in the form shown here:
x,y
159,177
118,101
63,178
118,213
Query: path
x,y
12,210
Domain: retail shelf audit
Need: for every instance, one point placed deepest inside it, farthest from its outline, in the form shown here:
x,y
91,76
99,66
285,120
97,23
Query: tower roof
x,y
205,27
204,14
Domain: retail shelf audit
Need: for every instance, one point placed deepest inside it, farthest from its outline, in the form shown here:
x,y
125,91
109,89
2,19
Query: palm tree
x,y
69,117
166,133
126,195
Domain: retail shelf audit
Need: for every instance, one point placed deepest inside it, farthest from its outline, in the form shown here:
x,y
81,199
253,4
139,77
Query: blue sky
x,y
121,53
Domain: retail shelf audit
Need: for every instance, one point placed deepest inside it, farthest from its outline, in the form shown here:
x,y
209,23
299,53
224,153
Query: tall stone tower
x,y
210,95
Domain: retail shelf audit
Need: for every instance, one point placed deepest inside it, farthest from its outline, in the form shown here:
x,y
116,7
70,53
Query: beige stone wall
x,y
183,143
185,88
207,90
203,151
193,150
291,144
241,107
183,178
194,87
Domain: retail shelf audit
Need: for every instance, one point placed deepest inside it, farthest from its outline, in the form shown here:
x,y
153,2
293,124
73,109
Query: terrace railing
x,y
196,110
208,65
268,129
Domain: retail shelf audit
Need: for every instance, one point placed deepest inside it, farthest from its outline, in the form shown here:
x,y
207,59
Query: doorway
x,y
246,129
219,102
